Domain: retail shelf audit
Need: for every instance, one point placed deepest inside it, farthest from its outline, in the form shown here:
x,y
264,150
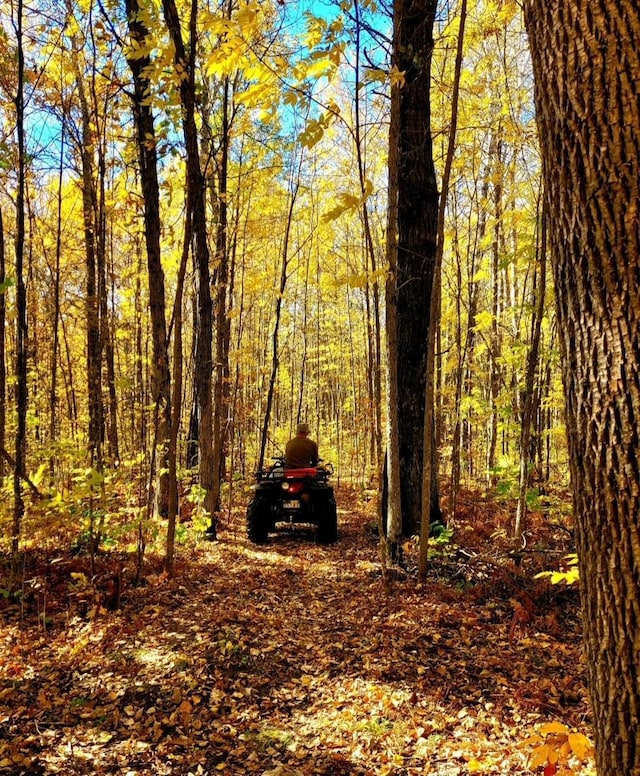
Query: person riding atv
x,y
301,451
294,489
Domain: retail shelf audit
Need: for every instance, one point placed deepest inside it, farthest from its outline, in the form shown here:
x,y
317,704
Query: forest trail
x,y
291,660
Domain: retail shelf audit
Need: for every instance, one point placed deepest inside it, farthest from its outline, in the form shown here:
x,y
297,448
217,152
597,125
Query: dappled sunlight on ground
x,y
291,659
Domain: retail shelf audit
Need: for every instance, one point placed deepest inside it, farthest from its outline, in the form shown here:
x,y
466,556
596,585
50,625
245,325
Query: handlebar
x,y
279,462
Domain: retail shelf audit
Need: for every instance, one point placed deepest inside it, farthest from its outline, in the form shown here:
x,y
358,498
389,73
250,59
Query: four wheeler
x,y
283,495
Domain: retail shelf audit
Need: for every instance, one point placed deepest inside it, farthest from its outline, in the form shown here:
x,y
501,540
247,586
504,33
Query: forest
x,y
410,224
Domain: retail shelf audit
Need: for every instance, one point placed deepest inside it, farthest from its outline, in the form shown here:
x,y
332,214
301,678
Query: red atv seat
x,y
309,471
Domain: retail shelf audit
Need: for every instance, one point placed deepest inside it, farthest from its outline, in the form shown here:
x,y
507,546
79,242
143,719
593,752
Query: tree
x,y
430,437
147,151
294,188
531,398
587,92
416,226
21,307
221,277
184,63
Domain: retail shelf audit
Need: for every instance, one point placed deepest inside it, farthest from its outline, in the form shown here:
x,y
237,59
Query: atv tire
x,y
327,532
258,520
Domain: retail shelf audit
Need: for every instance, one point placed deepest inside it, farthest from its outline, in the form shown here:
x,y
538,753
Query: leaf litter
x,y
293,659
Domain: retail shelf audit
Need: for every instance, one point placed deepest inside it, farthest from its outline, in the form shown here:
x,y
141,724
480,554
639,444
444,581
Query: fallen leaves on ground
x,y
292,659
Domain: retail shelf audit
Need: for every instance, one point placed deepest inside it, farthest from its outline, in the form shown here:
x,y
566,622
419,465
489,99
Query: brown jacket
x,y
300,453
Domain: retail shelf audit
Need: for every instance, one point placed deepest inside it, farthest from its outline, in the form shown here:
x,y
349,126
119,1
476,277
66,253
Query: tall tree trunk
x,y
275,347
389,506
587,92
223,329
21,312
72,401
496,347
297,416
176,405
416,229
89,211
107,356
430,437
139,418
107,336
55,323
185,64
160,371
531,396
466,347
374,342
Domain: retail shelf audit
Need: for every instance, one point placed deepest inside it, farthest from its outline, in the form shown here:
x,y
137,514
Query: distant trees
x,y
231,85
586,66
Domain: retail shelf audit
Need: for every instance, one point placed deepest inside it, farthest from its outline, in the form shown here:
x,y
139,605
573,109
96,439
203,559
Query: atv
x,y
291,496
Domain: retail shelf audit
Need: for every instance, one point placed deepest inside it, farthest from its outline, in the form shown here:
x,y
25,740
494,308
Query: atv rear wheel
x,y
327,532
258,520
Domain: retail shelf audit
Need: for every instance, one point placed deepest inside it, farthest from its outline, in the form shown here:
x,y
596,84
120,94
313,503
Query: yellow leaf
x,y
556,728
484,321
397,77
473,766
319,68
580,745
246,18
539,756
534,739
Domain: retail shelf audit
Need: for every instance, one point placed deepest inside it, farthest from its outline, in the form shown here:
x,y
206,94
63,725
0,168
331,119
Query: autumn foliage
x,y
292,659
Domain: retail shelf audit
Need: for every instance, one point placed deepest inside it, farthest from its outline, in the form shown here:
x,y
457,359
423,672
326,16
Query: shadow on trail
x,y
285,659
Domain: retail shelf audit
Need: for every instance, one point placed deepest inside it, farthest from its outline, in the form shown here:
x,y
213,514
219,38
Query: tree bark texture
x,y
417,230
160,371
430,433
85,147
55,322
185,64
21,315
94,354
223,328
390,516
586,64
531,398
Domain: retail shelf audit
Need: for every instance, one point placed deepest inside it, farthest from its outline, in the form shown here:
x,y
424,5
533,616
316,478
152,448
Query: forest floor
x,y
293,659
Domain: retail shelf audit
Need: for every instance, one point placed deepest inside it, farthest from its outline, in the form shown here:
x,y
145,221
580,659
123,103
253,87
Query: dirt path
x,y
290,659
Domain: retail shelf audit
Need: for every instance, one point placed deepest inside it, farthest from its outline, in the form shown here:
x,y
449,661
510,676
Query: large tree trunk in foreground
x,y
586,66
417,221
